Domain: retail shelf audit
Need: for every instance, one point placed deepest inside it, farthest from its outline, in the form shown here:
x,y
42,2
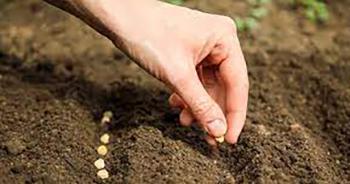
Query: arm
x,y
195,54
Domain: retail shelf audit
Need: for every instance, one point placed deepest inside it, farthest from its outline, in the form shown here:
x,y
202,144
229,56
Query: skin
x,y
197,55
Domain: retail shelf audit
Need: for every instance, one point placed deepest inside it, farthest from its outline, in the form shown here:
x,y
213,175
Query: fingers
x,y
233,71
206,111
176,101
211,141
186,117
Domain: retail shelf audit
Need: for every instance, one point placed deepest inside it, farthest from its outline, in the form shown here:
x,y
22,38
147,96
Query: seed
x,y
108,114
102,150
105,120
104,139
99,163
103,174
220,139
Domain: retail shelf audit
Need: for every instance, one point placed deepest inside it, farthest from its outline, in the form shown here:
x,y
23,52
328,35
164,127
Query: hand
x,y
196,54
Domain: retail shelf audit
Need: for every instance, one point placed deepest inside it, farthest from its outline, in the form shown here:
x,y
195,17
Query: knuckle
x,y
202,107
229,23
177,74
178,80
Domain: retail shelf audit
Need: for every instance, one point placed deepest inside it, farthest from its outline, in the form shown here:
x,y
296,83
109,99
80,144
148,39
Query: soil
x,y
57,77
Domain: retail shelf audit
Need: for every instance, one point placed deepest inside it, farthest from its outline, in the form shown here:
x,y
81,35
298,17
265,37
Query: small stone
x,y
104,138
103,174
337,162
17,168
15,146
220,139
295,126
229,179
102,150
261,130
99,163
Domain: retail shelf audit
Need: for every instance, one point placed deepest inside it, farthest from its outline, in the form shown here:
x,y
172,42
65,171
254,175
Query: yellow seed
x,y
105,120
102,150
103,174
104,138
220,139
99,163
108,114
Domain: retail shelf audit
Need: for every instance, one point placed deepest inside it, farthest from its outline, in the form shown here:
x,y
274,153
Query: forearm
x,y
111,18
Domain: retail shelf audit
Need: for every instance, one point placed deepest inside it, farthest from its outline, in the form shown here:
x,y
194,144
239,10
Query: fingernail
x,y
217,128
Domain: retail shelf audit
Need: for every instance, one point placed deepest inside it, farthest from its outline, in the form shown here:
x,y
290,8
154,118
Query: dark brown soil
x,y
57,77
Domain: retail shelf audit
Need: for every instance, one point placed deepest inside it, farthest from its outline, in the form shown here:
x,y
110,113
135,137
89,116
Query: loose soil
x,y
57,77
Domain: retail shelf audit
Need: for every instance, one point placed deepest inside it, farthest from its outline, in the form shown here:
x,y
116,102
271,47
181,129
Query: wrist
x,y
118,19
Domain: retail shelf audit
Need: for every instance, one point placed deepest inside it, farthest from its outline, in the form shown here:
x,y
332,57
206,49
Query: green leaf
x,y
240,24
259,13
251,23
311,14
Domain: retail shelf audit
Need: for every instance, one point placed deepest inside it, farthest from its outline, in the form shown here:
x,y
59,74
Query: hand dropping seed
x,y
104,138
102,150
103,174
220,139
99,163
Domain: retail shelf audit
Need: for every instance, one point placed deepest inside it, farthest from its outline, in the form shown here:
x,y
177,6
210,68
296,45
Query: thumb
x,y
207,112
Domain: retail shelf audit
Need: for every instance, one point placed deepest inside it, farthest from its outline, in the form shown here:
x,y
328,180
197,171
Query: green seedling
x,y
259,13
246,24
258,2
251,23
314,10
240,24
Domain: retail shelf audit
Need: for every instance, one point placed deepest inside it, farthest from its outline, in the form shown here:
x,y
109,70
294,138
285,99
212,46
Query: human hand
x,y
197,55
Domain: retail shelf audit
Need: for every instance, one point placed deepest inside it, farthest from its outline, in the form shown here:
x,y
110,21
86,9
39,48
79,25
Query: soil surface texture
x,y
58,76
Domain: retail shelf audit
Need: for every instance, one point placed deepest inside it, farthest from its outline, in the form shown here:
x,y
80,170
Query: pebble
x,y
103,174
220,139
295,126
102,150
261,130
15,146
99,163
104,139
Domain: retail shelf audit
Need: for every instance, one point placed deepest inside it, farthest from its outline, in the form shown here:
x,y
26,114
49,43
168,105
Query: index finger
x,y
233,71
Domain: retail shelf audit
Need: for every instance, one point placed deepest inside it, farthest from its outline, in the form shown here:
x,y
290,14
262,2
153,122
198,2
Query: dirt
x,y
57,77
